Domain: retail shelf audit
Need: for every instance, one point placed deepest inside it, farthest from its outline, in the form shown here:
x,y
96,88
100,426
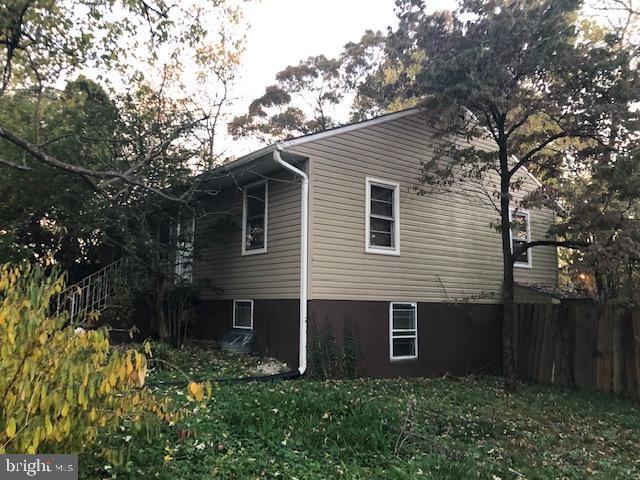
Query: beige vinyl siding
x,y
275,274
448,250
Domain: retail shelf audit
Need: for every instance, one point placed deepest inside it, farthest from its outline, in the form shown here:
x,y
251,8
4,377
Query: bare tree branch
x,y
107,176
534,151
18,166
573,244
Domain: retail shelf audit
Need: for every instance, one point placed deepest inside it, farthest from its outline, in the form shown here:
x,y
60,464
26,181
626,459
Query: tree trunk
x,y
160,316
508,366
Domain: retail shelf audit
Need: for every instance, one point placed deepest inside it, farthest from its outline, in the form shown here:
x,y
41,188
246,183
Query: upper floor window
x,y
403,331
382,217
254,218
521,234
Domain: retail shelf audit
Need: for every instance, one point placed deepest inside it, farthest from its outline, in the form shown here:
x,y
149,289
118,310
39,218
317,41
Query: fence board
x,y
580,345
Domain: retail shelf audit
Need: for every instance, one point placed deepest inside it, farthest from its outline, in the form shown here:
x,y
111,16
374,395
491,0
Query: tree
x,y
372,74
87,165
603,195
522,75
43,41
59,226
299,103
604,206
311,96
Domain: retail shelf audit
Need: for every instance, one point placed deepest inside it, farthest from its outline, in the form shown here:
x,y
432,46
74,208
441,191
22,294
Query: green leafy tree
x,y
372,72
311,96
84,167
604,207
522,75
43,41
602,193
60,226
301,102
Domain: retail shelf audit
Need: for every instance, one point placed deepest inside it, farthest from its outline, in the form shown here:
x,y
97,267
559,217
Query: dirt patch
x,y
270,366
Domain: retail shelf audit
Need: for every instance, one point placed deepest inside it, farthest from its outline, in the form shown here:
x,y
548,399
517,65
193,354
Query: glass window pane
x,y
255,233
257,192
184,251
243,314
519,226
381,225
256,200
404,347
382,193
377,239
255,221
381,208
404,317
524,257
382,221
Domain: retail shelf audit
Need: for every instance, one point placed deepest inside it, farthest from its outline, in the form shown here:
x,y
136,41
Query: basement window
x,y
520,235
382,217
254,218
243,314
403,331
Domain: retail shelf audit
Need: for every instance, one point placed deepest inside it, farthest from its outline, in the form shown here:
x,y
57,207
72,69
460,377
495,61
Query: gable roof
x,y
310,137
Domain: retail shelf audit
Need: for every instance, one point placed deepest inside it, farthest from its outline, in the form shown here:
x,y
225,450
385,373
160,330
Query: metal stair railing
x,y
92,293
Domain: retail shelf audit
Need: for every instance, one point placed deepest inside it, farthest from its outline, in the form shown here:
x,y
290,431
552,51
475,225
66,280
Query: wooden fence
x,y
581,345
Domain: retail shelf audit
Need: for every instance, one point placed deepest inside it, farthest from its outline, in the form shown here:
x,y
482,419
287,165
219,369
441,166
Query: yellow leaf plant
x,y
60,387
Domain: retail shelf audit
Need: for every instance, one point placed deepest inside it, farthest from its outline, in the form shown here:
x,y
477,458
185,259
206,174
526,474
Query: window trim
x,y
244,218
523,211
368,248
391,330
235,302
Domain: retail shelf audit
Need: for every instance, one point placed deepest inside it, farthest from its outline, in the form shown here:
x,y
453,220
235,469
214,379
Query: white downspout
x,y
304,254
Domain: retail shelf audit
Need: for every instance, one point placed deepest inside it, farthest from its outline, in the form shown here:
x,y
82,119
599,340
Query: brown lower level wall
x,y
454,339
275,323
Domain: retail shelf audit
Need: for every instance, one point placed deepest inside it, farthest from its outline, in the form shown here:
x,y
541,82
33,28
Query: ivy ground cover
x,y
367,429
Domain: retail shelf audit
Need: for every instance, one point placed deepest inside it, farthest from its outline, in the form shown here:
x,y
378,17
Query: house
x,y
334,218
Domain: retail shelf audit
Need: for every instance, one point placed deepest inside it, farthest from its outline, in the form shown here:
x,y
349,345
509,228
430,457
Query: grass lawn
x,y
457,429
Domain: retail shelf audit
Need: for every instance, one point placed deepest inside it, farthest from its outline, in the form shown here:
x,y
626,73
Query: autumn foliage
x,y
61,384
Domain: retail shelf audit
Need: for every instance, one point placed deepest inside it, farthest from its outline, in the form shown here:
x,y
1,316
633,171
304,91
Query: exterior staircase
x,y
93,293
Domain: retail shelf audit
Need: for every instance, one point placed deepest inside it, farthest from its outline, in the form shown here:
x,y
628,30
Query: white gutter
x,y
304,254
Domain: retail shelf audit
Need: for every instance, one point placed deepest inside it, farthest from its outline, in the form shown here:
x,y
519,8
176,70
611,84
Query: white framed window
x,y
255,218
403,330
243,314
520,234
382,217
